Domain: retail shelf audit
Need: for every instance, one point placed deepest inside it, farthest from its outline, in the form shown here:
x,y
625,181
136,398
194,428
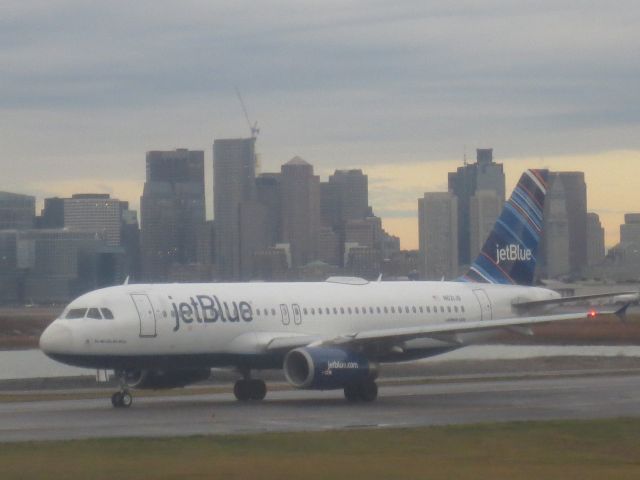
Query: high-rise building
x,y
438,233
86,212
484,210
571,187
234,173
253,221
352,190
55,265
269,195
629,248
172,210
17,211
630,229
595,240
554,251
365,232
130,240
484,175
300,210
329,246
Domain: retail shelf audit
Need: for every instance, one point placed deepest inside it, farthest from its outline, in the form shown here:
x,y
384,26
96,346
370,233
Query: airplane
x,y
324,335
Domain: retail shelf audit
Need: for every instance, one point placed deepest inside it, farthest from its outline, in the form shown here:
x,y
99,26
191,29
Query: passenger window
x,y
413,309
393,309
341,310
378,309
349,310
327,311
448,309
406,309
462,308
335,310
455,308
273,311
319,311
313,311
304,310
106,313
421,310
75,313
94,313
428,309
442,309
386,310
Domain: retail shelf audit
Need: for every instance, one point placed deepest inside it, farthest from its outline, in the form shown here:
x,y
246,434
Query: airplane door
x,y
297,316
486,312
146,315
285,314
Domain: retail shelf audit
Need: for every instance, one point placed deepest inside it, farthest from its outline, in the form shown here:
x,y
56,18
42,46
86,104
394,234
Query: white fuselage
x,y
224,324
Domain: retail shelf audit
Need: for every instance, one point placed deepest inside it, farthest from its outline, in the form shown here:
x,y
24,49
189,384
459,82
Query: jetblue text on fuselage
x,y
209,309
513,253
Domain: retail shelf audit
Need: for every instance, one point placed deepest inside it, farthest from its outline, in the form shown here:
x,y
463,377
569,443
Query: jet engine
x,y
159,379
327,368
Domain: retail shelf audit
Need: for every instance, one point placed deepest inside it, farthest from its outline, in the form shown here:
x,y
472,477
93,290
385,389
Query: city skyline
x,y
395,90
609,194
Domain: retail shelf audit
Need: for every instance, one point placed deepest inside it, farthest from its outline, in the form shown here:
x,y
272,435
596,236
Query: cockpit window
x,y
94,313
106,313
76,313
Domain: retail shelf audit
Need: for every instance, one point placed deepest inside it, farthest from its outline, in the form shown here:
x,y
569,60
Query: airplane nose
x,y
56,339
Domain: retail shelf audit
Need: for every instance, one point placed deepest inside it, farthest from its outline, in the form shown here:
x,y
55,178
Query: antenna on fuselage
x,y
379,278
126,280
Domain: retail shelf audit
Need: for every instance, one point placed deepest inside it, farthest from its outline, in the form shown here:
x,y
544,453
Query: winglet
x,y
379,278
126,280
621,313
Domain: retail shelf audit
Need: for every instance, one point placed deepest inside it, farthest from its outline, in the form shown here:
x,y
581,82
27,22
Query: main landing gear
x,y
249,388
366,391
122,398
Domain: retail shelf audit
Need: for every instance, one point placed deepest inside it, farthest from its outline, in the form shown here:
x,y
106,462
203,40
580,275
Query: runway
x,y
455,402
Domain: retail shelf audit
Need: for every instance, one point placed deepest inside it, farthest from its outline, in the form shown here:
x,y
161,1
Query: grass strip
x,y
525,450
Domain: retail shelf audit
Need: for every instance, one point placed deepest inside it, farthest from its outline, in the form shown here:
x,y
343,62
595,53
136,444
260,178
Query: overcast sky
x,y
86,88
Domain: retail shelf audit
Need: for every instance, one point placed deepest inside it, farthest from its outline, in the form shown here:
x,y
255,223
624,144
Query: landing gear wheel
x,y
116,399
351,393
126,399
368,391
242,390
257,389
121,399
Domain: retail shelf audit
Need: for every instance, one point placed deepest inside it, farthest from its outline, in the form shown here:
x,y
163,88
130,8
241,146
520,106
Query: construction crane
x,y
253,127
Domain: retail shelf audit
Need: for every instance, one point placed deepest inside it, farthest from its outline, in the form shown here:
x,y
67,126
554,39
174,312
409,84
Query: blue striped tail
x,y
509,254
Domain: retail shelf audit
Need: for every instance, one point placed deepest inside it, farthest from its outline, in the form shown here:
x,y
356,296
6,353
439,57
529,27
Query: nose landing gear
x,y
122,398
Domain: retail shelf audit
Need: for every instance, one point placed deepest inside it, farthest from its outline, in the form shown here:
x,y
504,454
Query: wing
x,y
452,328
448,330
528,305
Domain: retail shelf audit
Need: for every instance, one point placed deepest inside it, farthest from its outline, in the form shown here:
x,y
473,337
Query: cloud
x,y
90,87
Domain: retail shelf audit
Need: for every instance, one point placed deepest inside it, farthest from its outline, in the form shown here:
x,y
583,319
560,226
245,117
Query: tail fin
x,y
509,254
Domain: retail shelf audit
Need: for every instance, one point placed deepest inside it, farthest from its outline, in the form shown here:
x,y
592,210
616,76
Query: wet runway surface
x,y
397,406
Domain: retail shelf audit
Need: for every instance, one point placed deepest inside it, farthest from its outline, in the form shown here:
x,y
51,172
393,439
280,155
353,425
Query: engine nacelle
x,y
159,379
329,368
